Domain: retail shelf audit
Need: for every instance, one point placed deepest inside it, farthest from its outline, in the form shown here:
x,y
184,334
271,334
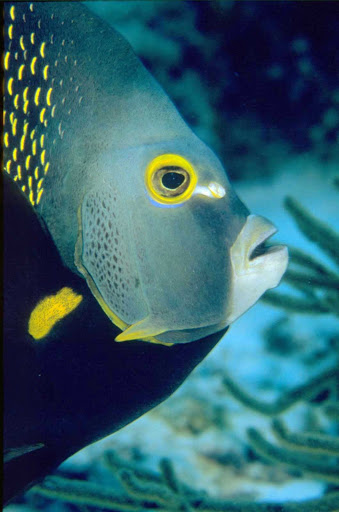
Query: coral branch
x,y
87,494
82,493
303,392
295,304
299,257
323,470
314,229
310,443
323,281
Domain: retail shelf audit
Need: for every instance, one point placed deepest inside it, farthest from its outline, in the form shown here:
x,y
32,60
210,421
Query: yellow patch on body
x,y
50,310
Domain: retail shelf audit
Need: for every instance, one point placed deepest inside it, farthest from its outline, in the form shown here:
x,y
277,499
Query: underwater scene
x,y
149,365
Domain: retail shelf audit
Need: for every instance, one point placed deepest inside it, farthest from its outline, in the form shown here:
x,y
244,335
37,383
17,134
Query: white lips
x,y
253,274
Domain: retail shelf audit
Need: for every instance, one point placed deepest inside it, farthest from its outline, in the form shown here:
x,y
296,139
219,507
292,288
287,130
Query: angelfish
x,y
134,201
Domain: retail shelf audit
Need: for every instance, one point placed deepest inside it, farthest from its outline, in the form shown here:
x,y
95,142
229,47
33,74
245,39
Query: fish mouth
x,y
256,265
252,252
262,248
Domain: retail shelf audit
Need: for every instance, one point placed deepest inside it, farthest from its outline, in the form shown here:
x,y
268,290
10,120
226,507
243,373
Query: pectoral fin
x,y
145,329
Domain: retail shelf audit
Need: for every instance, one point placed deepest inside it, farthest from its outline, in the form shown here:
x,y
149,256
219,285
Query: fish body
x,y
73,385
134,201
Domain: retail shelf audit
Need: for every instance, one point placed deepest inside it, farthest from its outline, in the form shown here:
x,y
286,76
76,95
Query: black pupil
x,y
172,180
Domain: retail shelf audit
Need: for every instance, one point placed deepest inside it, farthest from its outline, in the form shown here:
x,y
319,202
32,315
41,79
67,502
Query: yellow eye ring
x,y
176,167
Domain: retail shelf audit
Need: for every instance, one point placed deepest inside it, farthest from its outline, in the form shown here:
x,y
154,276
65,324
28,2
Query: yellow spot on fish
x,y
45,72
12,12
39,196
21,71
16,55
42,140
36,173
45,123
4,116
32,134
53,110
32,38
10,86
26,106
22,143
25,94
46,168
42,50
6,61
42,113
11,117
33,65
39,23
6,140
48,96
10,31
36,96
25,127
42,157
22,43
8,166
14,127
40,183
15,178
28,161
19,172
31,7
16,101
31,198
30,182
50,310
23,188
25,54
15,154
34,147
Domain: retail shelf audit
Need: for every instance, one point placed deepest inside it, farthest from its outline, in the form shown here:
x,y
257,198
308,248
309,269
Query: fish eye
x,y
173,177
170,179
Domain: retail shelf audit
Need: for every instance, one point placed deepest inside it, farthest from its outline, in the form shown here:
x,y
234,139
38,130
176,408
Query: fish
x,y
70,386
135,202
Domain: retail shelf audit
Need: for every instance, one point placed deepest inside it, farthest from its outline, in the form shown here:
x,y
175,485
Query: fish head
x,y
168,248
